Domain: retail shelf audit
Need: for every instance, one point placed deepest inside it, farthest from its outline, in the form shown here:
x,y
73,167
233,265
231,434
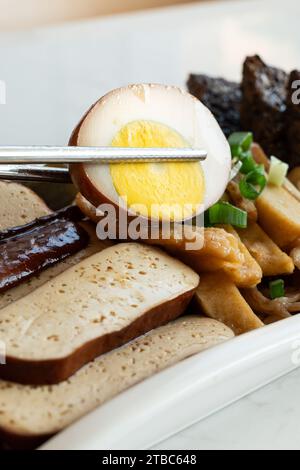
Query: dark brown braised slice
x,y
262,104
222,97
293,118
263,108
27,250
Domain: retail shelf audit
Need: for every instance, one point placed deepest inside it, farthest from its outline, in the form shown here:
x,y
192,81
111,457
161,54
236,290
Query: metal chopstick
x,y
34,173
20,163
47,154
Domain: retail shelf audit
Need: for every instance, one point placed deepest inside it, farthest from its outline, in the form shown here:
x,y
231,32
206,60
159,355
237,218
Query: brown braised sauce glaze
x,y
27,250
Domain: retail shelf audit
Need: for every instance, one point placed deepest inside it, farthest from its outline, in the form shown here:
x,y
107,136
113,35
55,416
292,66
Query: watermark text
x,y
296,94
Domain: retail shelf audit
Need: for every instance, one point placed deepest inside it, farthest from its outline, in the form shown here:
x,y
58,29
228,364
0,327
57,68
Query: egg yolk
x,y
172,191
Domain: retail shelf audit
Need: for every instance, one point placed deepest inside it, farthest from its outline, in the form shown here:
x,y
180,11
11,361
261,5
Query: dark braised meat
x,y
27,250
263,107
262,104
222,97
293,118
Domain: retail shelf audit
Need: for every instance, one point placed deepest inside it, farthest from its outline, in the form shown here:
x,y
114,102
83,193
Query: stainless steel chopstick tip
x,y
57,155
21,163
43,174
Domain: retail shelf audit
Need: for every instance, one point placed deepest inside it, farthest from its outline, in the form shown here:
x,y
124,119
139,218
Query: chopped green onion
x,y
206,219
248,163
235,169
235,151
277,289
253,184
225,213
255,180
240,142
241,139
278,171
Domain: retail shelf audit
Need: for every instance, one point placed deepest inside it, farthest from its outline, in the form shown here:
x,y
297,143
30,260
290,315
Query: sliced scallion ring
x,y
277,289
235,169
240,142
248,163
278,171
253,184
225,213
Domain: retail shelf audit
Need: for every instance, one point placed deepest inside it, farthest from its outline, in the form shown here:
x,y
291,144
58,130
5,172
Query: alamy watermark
x,y
296,94
116,223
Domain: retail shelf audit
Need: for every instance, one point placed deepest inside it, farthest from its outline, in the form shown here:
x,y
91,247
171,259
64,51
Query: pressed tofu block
x,y
28,415
19,205
101,303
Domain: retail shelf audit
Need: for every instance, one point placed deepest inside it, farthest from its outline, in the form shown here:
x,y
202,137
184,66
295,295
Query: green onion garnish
x,y
277,289
236,168
248,162
253,184
225,213
206,219
240,142
254,181
278,171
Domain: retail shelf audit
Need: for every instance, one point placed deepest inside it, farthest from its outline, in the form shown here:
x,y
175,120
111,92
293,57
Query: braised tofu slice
x,y
279,215
219,298
272,260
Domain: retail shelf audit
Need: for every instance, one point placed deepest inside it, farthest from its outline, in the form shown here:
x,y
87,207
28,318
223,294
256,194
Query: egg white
x,y
167,105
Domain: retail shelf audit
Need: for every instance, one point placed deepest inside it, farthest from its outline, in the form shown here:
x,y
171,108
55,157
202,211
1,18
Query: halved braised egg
x,y
148,115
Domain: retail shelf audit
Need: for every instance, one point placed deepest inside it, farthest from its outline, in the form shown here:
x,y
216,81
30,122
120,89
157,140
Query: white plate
x,y
187,392
52,75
